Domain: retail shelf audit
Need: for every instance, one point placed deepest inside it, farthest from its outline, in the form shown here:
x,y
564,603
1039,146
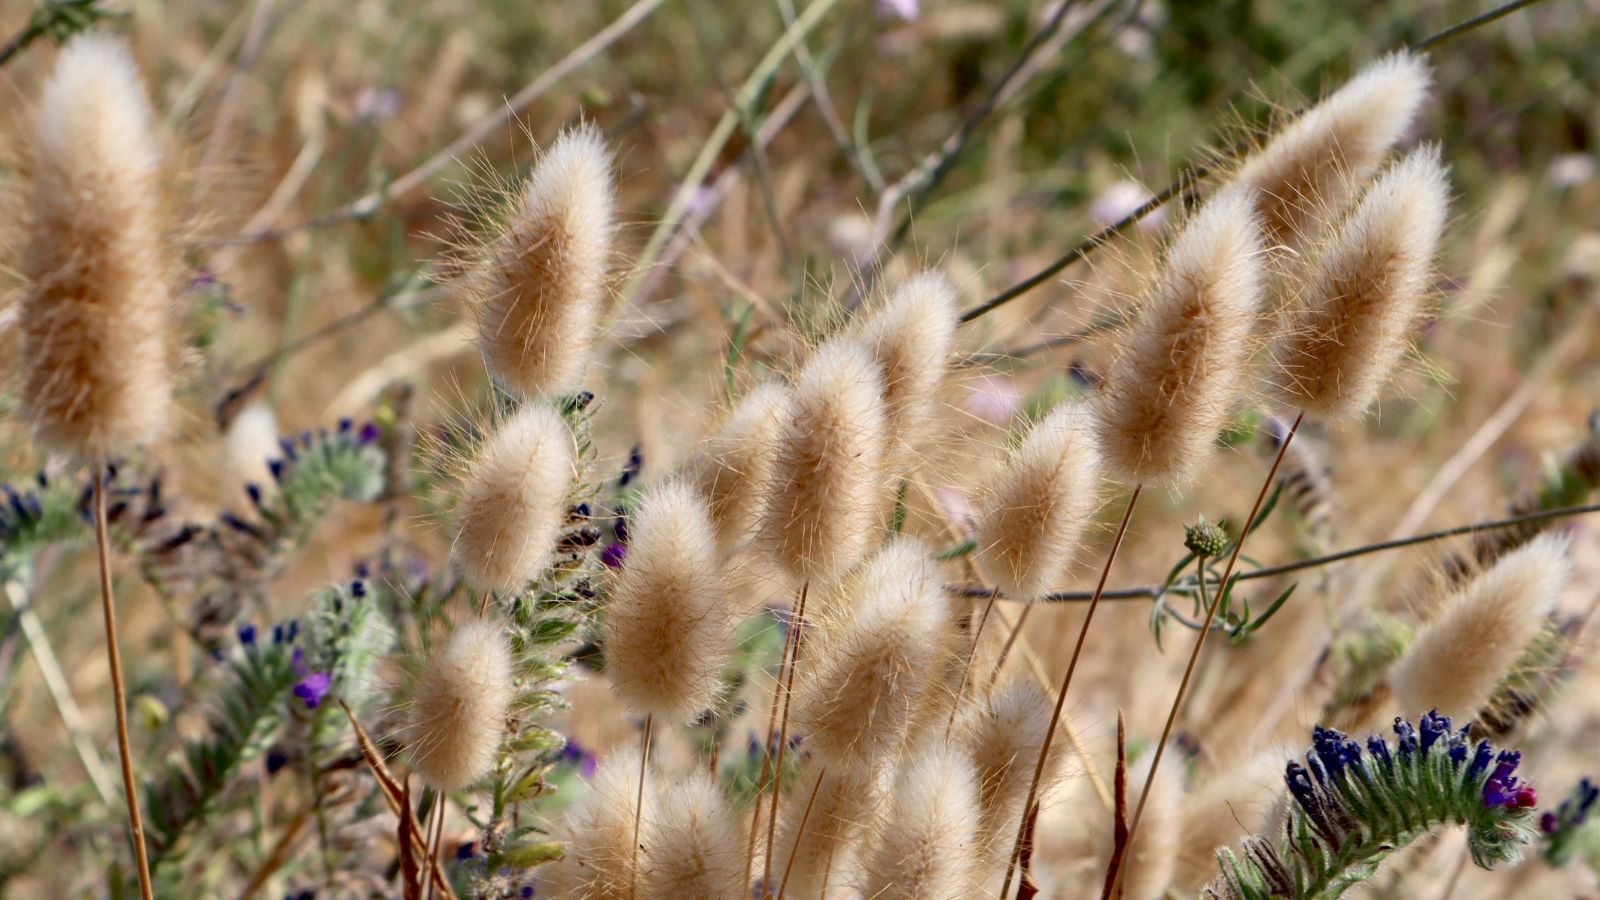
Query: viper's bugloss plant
x,y
1570,831
1350,810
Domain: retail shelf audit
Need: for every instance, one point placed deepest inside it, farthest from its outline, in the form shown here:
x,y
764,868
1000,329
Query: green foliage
x,y
250,705
1350,813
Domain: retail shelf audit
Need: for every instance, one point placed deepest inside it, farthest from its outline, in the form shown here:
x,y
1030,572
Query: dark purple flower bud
x,y
1300,786
346,424
1506,763
1458,754
243,527
613,555
620,525
1407,743
1335,750
368,434
1547,823
466,850
358,588
1379,748
1433,727
247,634
634,467
1480,760
254,490
275,466
363,570
287,446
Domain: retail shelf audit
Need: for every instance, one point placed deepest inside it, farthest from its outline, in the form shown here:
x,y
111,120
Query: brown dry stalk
x,y
766,753
800,832
1199,643
393,793
1120,836
972,652
798,624
638,806
130,782
1022,848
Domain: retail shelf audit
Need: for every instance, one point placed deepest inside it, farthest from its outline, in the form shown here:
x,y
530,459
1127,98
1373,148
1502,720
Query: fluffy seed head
x,y
459,708
1321,160
95,316
1238,802
1479,632
859,692
693,843
669,621
911,335
1004,740
599,863
829,466
1361,297
1035,511
513,498
734,468
540,287
1180,370
846,806
927,846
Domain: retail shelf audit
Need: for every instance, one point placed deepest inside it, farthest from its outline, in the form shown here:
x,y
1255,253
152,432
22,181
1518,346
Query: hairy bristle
x,y
1034,513
846,806
540,289
1004,738
1353,318
693,843
1481,629
827,475
1180,370
926,846
96,313
1316,164
513,499
911,335
873,661
458,710
668,622
733,469
599,860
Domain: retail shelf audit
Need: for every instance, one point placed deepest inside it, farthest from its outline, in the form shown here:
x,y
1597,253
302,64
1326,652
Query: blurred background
x,y
776,159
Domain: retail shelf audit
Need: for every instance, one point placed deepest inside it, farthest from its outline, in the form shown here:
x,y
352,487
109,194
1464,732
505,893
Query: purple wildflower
x,y
369,433
613,555
1503,788
312,686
